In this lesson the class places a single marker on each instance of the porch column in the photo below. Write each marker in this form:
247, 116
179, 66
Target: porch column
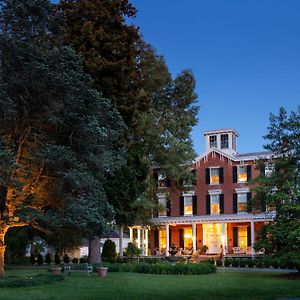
131, 234
252, 239
121, 241
167, 240
143, 241
194, 237
224, 237
146, 242
139, 238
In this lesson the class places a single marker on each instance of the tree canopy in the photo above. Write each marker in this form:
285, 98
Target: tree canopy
281, 189
59, 137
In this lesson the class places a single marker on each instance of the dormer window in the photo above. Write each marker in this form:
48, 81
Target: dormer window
224, 141
213, 141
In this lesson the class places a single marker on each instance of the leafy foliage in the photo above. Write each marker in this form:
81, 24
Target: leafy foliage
59, 137
281, 190
109, 251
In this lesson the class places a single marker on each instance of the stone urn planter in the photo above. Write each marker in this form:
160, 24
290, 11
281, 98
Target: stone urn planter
102, 271
55, 270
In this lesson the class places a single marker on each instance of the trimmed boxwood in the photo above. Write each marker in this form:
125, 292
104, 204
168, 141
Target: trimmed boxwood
219, 262
242, 263
228, 262
250, 263
235, 262
162, 268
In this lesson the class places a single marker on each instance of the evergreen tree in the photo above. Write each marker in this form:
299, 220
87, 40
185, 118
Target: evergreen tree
58, 138
280, 191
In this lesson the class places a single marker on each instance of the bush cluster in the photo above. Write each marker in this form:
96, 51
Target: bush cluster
163, 268
283, 262
15, 282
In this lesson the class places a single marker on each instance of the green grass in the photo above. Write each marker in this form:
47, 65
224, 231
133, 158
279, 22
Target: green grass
222, 285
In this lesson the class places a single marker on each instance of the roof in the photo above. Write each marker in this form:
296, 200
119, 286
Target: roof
226, 130
238, 157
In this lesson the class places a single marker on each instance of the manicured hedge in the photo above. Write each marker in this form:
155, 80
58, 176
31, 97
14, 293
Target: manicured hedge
163, 268
15, 281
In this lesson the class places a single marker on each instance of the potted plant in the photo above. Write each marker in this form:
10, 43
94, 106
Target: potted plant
102, 271
54, 269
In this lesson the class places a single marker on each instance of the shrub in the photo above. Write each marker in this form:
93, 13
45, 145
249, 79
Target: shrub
275, 263
211, 261
109, 253
48, 258
242, 263
33, 280
250, 263
163, 268
40, 259
219, 262
235, 262
227, 262
57, 259
132, 250
32, 259
75, 260
83, 259
258, 262
66, 258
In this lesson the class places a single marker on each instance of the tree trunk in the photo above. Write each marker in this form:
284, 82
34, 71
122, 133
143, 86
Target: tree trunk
94, 250
3, 231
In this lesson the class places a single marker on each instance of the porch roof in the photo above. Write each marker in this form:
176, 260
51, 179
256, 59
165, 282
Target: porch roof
233, 218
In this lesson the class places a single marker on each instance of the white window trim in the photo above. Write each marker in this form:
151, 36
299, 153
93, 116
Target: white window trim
215, 192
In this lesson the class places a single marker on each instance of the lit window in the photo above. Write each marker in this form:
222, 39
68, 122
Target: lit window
187, 238
242, 202
213, 141
242, 238
162, 201
188, 205
242, 173
214, 176
224, 141
162, 239
214, 204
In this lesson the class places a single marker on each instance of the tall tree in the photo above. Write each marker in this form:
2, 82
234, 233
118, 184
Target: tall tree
281, 190
58, 136
158, 111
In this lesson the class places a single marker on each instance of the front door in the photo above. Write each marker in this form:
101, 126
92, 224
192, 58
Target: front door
212, 237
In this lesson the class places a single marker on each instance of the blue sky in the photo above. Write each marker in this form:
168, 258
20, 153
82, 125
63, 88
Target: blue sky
245, 55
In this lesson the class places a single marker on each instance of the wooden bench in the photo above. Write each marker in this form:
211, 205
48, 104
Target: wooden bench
82, 267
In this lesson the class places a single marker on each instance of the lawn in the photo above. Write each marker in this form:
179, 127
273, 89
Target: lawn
222, 285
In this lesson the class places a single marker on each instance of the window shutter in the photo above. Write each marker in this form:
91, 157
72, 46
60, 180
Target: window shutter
168, 207
181, 205
235, 236
234, 174
167, 182
249, 202
263, 205
156, 238
207, 176
234, 204
222, 204
194, 177
195, 205
181, 240
208, 204
249, 236
249, 173
155, 175
221, 175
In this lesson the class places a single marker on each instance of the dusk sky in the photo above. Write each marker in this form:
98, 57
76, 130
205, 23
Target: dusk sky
245, 56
